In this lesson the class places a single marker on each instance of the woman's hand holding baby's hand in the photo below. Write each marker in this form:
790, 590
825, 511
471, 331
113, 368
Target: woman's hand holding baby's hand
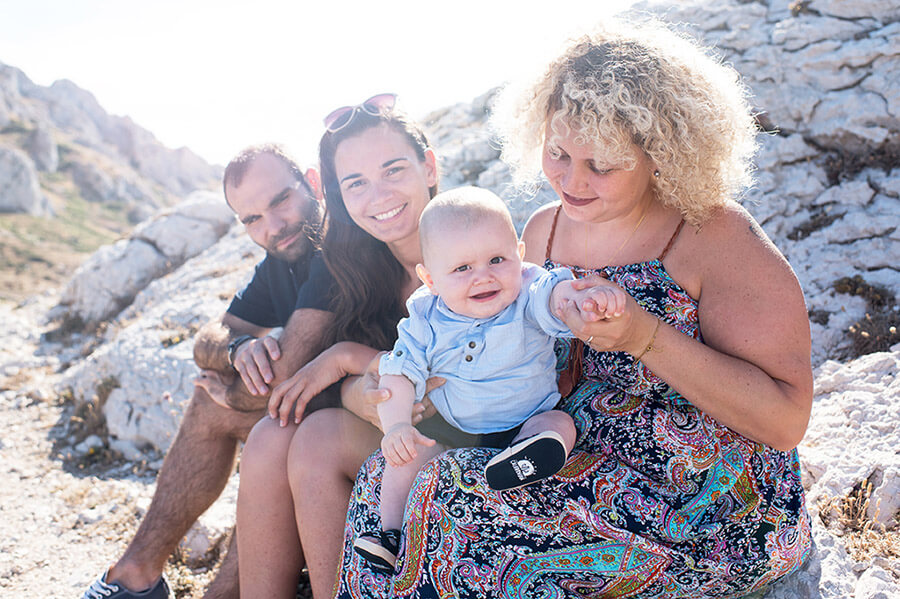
601, 302
399, 444
621, 327
594, 297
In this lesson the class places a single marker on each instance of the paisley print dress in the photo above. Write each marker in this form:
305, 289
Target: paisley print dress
657, 500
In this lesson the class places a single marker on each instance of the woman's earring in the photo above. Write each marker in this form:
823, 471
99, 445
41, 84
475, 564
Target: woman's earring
656, 173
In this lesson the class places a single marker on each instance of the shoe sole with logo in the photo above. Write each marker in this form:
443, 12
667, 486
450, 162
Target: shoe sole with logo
528, 461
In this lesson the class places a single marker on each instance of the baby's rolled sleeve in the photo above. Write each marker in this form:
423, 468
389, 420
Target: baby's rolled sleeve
398, 362
540, 291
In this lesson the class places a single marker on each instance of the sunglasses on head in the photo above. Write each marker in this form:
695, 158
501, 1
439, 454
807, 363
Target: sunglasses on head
343, 116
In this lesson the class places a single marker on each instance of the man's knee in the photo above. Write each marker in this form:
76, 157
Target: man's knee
204, 417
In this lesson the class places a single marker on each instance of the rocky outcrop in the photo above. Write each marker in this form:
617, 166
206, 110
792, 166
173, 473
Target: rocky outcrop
99, 185
109, 158
42, 148
20, 191
111, 278
65, 107
156, 332
850, 444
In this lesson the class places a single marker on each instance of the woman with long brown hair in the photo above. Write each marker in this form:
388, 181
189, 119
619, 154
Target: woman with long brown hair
378, 173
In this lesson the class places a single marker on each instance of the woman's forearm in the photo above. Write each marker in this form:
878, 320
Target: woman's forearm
354, 357
732, 390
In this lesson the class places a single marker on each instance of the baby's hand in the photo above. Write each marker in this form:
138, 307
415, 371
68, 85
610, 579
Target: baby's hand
399, 444
594, 297
602, 302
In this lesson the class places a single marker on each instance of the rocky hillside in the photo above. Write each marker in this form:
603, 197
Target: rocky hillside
824, 78
73, 177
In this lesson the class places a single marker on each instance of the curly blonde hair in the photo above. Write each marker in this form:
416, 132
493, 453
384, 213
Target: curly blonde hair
638, 84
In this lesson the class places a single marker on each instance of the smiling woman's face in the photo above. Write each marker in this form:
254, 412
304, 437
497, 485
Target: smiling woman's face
592, 192
383, 182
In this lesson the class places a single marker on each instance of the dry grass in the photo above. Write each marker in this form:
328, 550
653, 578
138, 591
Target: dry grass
864, 539
88, 418
878, 330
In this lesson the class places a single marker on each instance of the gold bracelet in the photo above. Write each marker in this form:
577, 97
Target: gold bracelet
649, 347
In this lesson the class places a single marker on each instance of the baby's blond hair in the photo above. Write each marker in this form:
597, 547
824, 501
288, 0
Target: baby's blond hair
461, 207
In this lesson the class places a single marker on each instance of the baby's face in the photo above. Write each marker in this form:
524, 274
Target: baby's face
477, 270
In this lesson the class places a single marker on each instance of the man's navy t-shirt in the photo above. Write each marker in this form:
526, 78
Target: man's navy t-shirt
278, 288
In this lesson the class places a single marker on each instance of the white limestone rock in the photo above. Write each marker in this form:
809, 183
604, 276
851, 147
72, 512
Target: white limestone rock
805, 29
883, 10
853, 434
20, 190
109, 280
76, 113
148, 350
41, 146
189, 228
94, 183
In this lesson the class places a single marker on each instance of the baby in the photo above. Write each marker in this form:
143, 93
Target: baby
485, 322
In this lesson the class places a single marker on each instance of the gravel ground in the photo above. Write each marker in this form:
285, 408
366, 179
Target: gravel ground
65, 515
63, 518
58, 521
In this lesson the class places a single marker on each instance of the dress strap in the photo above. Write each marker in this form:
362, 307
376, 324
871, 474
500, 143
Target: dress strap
671, 240
552, 231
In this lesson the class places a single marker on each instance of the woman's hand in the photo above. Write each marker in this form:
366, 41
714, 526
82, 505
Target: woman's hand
630, 331
399, 444
326, 369
365, 403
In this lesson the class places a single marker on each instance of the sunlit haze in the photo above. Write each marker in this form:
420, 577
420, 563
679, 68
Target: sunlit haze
217, 76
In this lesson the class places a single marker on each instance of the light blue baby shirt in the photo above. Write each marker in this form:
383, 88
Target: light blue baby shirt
499, 370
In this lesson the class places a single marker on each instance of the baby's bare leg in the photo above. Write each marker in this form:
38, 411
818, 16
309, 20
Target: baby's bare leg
553, 420
396, 483
539, 451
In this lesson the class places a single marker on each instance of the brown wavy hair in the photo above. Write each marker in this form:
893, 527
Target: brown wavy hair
367, 304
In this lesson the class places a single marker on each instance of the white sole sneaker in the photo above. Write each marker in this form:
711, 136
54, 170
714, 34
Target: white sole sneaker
378, 556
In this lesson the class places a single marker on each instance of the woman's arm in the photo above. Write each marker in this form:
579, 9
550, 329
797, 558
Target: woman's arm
333, 364
752, 373
537, 232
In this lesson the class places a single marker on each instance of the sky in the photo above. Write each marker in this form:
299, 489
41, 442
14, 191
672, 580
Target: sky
216, 76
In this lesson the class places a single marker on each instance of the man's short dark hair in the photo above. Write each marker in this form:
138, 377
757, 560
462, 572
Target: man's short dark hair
237, 168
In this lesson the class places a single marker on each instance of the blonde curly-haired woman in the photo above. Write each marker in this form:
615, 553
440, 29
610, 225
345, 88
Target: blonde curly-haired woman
686, 481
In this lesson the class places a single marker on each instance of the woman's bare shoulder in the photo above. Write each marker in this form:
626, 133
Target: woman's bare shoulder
730, 232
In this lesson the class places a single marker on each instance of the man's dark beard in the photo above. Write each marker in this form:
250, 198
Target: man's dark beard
310, 228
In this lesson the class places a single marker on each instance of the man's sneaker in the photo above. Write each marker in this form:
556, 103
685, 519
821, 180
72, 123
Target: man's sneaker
530, 460
114, 590
380, 549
